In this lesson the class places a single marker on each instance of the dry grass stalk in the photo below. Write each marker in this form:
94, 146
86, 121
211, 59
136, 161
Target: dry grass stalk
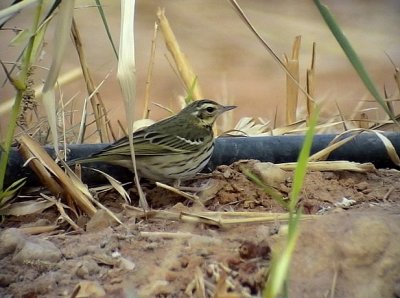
200, 287
247, 22
223, 289
363, 122
397, 77
21, 208
191, 197
38, 229
355, 111
51, 175
64, 214
385, 125
122, 128
126, 74
108, 211
248, 214
331, 166
82, 123
116, 185
341, 116
288, 128
298, 128
310, 88
84, 190
247, 126
334, 281
146, 110
292, 91
169, 235
221, 219
333, 145
390, 149
389, 101
65, 15
184, 68
99, 110
172, 215
388, 193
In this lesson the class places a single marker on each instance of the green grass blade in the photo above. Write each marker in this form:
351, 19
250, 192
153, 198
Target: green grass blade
19, 84
10, 191
272, 192
302, 161
279, 269
190, 93
103, 17
280, 264
352, 56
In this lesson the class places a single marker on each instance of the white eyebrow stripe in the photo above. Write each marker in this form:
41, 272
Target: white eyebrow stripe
196, 142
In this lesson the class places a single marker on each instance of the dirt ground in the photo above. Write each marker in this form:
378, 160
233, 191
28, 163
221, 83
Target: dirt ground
350, 247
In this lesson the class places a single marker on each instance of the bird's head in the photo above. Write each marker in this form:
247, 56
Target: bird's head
205, 110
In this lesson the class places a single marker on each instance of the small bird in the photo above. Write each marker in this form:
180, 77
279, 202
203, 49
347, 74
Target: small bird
171, 150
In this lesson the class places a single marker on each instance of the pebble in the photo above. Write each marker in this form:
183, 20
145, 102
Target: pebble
86, 268
9, 240
270, 173
362, 186
33, 250
100, 221
6, 280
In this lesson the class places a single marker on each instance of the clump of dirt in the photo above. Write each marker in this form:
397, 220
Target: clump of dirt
350, 249
354, 253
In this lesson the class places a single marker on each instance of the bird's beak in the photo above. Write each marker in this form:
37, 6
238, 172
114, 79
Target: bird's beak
227, 108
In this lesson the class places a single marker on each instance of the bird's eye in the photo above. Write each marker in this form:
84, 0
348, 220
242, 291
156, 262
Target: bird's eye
210, 109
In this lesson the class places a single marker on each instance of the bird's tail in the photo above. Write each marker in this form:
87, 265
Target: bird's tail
84, 160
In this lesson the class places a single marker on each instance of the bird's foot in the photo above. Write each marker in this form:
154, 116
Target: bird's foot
194, 189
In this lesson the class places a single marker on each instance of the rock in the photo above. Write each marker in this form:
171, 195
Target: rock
86, 268
126, 264
269, 173
34, 249
99, 221
362, 186
47, 283
361, 248
9, 240
6, 280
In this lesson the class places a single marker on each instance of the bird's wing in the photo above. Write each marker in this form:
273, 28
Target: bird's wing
151, 142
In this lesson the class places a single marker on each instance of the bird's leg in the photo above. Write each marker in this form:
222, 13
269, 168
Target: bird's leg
194, 189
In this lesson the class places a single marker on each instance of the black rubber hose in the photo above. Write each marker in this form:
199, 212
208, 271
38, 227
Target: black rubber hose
366, 147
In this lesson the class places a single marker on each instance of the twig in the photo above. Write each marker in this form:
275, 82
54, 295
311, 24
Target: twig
193, 198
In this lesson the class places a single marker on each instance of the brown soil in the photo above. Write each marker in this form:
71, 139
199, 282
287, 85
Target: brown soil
346, 251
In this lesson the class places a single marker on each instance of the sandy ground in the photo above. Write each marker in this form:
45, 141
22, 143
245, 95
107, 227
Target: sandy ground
230, 63
350, 248
346, 251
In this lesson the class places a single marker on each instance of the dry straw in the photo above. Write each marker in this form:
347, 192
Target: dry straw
185, 70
